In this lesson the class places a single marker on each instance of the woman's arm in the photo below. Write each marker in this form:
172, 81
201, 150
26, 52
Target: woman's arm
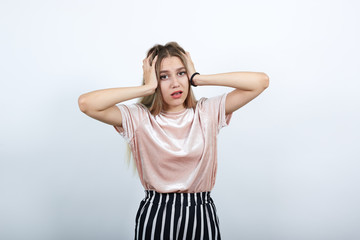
100, 100
248, 85
100, 104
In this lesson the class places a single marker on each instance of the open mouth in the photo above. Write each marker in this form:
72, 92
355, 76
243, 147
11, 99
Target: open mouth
178, 93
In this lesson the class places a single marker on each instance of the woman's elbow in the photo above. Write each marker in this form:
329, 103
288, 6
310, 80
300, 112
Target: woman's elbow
265, 80
82, 103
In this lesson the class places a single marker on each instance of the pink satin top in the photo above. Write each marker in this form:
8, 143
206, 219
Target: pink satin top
175, 151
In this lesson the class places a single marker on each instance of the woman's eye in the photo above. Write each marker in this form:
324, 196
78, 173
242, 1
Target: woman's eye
182, 73
163, 76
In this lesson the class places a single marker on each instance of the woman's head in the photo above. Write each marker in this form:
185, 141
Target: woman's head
171, 72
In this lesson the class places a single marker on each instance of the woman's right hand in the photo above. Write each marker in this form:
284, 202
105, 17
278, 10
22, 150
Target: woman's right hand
149, 72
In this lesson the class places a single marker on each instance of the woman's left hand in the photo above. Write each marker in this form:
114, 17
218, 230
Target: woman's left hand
190, 65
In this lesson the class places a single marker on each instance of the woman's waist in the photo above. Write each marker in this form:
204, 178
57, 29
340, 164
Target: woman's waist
176, 198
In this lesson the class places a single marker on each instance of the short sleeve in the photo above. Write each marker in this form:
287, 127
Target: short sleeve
132, 116
214, 108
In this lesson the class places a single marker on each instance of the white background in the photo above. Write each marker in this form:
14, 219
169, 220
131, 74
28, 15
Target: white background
288, 162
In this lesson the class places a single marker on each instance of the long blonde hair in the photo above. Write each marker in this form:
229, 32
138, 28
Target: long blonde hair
154, 102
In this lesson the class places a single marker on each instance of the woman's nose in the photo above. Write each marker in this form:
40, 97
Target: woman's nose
175, 82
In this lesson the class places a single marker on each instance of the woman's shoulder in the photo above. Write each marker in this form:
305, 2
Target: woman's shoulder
205, 101
134, 107
134, 111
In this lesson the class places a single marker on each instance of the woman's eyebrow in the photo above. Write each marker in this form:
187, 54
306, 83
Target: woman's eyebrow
165, 71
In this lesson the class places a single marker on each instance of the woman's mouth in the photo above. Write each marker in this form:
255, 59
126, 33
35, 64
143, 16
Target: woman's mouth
176, 94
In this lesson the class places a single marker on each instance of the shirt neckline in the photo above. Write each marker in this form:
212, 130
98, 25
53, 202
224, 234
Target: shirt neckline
174, 113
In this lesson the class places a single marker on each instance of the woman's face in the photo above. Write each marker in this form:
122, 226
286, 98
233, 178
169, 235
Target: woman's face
173, 83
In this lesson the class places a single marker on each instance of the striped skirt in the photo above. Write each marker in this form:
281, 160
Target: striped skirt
165, 216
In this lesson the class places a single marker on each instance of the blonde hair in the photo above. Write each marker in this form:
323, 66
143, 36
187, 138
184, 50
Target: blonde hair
154, 102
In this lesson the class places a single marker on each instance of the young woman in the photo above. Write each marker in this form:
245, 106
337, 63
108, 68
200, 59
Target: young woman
172, 137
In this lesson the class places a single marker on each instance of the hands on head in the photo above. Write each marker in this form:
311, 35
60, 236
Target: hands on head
150, 74
190, 65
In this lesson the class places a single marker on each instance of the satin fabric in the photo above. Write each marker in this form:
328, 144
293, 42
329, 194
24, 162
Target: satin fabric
175, 151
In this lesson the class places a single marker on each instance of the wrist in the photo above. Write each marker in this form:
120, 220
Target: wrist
148, 89
192, 79
196, 79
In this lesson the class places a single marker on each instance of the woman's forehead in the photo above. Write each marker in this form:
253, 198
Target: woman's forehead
171, 64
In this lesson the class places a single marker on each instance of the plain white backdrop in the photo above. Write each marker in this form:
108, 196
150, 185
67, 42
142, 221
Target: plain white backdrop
288, 162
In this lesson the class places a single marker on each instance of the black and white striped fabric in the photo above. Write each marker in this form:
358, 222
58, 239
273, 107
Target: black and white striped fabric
175, 216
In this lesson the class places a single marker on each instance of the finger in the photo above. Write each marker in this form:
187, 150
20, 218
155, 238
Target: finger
154, 61
147, 59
